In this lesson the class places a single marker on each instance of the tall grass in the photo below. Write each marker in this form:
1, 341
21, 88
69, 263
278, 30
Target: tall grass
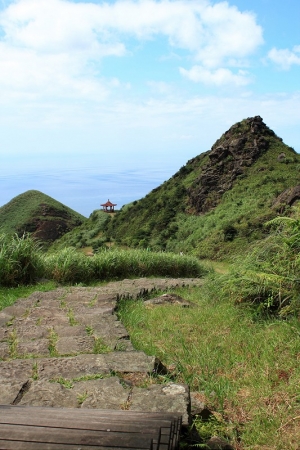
70, 266
268, 277
21, 261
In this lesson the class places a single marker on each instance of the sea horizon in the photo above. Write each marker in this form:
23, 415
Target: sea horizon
85, 189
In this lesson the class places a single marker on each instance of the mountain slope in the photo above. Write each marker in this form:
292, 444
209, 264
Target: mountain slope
217, 203
39, 214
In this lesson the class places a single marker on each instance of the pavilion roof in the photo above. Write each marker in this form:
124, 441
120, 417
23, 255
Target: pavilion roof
109, 203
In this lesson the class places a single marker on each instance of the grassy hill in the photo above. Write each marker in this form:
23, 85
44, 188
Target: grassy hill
219, 201
88, 234
39, 214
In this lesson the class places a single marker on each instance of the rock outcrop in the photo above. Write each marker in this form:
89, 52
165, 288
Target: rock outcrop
229, 159
287, 198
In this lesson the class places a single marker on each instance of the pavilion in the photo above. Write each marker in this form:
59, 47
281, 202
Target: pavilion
109, 206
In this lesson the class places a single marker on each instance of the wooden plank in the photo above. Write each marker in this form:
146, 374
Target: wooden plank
23, 417
15, 445
61, 412
90, 414
100, 424
67, 436
163, 427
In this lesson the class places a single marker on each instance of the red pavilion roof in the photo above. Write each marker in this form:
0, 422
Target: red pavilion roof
109, 203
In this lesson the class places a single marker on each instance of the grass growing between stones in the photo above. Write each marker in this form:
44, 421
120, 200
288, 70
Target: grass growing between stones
246, 370
8, 296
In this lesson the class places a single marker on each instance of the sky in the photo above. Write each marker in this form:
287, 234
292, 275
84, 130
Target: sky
109, 99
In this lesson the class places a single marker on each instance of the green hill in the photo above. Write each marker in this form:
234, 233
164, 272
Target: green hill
39, 214
218, 202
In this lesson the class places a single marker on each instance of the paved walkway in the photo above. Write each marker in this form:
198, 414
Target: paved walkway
66, 348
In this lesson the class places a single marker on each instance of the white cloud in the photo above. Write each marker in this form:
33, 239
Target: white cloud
218, 77
56, 47
285, 58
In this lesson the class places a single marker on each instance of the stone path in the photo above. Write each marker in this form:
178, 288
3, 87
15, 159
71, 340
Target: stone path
66, 348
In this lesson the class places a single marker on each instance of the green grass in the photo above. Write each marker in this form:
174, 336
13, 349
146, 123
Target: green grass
246, 370
8, 296
22, 262
89, 234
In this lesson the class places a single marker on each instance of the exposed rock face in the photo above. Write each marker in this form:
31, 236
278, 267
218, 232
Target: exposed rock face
287, 198
50, 223
229, 158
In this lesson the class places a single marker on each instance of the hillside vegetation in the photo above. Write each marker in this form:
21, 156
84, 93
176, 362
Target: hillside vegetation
217, 203
37, 213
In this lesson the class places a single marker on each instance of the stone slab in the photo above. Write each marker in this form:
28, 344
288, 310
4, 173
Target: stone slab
68, 331
38, 347
72, 367
44, 393
72, 345
10, 390
103, 394
17, 369
165, 398
30, 331
36, 317
130, 362
4, 350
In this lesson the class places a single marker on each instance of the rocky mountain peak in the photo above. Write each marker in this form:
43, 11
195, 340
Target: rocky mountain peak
231, 155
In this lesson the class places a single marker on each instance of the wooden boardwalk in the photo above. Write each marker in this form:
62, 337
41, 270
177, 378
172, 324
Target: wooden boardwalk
42, 428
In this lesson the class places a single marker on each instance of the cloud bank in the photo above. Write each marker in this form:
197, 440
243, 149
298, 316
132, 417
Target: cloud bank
57, 48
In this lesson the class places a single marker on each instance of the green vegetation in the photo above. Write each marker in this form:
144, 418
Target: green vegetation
23, 213
89, 234
166, 220
268, 277
22, 262
245, 370
8, 295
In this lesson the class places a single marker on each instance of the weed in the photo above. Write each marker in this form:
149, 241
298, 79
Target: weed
53, 338
92, 302
35, 374
100, 346
13, 344
89, 330
82, 397
68, 384
71, 317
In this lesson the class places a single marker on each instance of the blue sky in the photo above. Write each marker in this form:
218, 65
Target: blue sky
109, 99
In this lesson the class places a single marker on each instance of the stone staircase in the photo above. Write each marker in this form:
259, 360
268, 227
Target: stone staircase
67, 349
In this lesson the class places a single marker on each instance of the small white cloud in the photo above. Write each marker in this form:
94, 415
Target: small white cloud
218, 77
285, 58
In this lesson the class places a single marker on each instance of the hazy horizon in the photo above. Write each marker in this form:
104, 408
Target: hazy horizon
103, 99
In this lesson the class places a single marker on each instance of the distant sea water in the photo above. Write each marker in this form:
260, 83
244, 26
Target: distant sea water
84, 189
